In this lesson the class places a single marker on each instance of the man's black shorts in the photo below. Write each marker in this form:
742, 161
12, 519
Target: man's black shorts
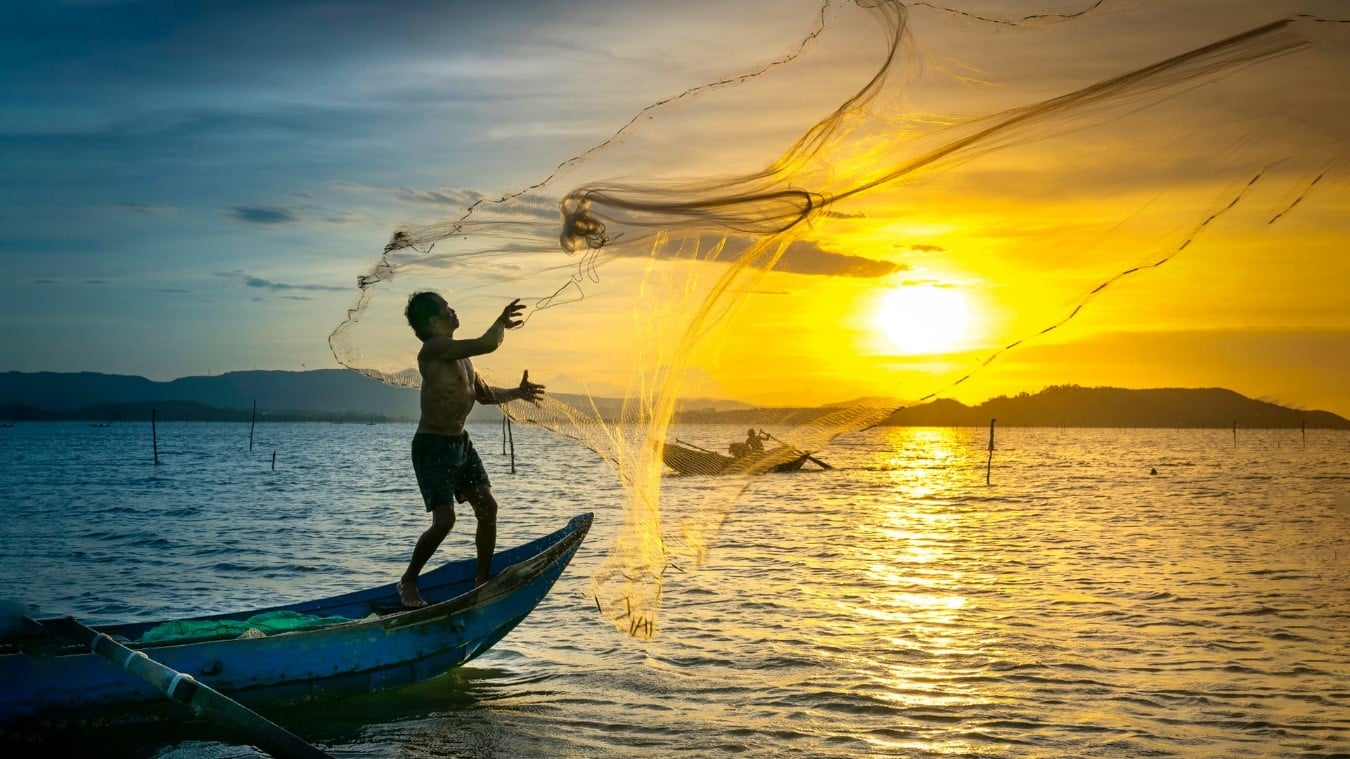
447, 467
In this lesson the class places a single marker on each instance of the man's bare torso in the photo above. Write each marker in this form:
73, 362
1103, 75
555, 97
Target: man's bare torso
448, 392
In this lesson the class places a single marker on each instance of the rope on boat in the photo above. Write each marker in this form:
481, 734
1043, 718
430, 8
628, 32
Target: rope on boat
173, 685
126, 663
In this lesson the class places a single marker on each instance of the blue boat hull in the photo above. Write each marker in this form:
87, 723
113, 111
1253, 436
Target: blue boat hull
48, 681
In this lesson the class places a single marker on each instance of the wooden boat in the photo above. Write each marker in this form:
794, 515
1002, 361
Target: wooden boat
687, 459
50, 681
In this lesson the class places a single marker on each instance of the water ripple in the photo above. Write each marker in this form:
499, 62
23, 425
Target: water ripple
894, 606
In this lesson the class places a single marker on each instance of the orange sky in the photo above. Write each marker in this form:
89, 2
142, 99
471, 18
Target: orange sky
1024, 230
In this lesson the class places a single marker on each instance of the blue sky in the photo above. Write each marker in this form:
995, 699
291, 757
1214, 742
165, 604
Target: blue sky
193, 187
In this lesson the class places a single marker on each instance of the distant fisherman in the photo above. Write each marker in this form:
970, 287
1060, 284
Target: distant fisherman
754, 444
447, 466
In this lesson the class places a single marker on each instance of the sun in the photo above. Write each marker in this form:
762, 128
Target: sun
923, 319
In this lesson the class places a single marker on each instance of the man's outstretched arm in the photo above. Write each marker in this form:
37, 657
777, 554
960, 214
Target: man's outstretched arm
449, 349
493, 396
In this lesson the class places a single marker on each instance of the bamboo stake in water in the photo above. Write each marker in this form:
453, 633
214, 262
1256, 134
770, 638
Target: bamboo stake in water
989, 465
251, 423
154, 436
512, 440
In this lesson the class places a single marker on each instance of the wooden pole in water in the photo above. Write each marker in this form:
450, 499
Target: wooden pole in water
504, 423
1234, 433
989, 465
201, 698
154, 436
253, 421
512, 440
1305, 433
274, 461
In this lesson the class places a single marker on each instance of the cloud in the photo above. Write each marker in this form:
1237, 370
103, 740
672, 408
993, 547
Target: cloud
263, 216
833, 214
444, 197
801, 257
270, 286
527, 205
447, 198
808, 257
343, 217
145, 209
535, 206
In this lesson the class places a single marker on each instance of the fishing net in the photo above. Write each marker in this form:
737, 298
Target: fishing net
982, 179
258, 625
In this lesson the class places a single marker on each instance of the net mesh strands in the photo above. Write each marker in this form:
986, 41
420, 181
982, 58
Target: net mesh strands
973, 150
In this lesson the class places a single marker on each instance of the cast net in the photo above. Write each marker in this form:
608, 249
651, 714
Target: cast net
741, 240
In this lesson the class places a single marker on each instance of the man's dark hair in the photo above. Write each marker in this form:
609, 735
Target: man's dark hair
421, 307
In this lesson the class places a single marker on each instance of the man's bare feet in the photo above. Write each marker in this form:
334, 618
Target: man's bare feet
407, 593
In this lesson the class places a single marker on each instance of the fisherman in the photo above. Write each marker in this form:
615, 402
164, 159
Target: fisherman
753, 445
447, 466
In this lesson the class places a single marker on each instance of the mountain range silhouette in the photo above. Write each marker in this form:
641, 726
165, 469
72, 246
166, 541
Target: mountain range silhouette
341, 395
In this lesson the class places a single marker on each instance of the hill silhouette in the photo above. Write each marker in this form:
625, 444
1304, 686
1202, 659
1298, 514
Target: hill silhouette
1074, 406
310, 394
1067, 406
341, 395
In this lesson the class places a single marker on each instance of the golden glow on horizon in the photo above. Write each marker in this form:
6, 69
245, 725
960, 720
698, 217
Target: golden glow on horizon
923, 319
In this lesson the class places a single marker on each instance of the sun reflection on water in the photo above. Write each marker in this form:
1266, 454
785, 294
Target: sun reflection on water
923, 461
911, 585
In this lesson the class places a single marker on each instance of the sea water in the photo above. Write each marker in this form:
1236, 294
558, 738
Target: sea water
921, 598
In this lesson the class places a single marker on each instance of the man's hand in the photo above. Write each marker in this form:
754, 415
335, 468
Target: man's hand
528, 390
510, 317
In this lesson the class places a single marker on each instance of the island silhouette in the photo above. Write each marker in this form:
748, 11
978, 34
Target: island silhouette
338, 395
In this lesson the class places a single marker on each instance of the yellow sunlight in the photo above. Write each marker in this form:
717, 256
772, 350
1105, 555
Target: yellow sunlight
923, 319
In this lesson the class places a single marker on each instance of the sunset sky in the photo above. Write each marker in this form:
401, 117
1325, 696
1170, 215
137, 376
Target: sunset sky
193, 188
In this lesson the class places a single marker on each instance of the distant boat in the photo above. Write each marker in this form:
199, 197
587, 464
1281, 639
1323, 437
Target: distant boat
98, 424
352, 643
688, 459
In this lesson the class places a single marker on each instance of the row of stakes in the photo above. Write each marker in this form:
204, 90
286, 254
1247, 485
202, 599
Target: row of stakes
507, 437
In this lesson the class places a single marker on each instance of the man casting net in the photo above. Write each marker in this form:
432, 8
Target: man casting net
977, 181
